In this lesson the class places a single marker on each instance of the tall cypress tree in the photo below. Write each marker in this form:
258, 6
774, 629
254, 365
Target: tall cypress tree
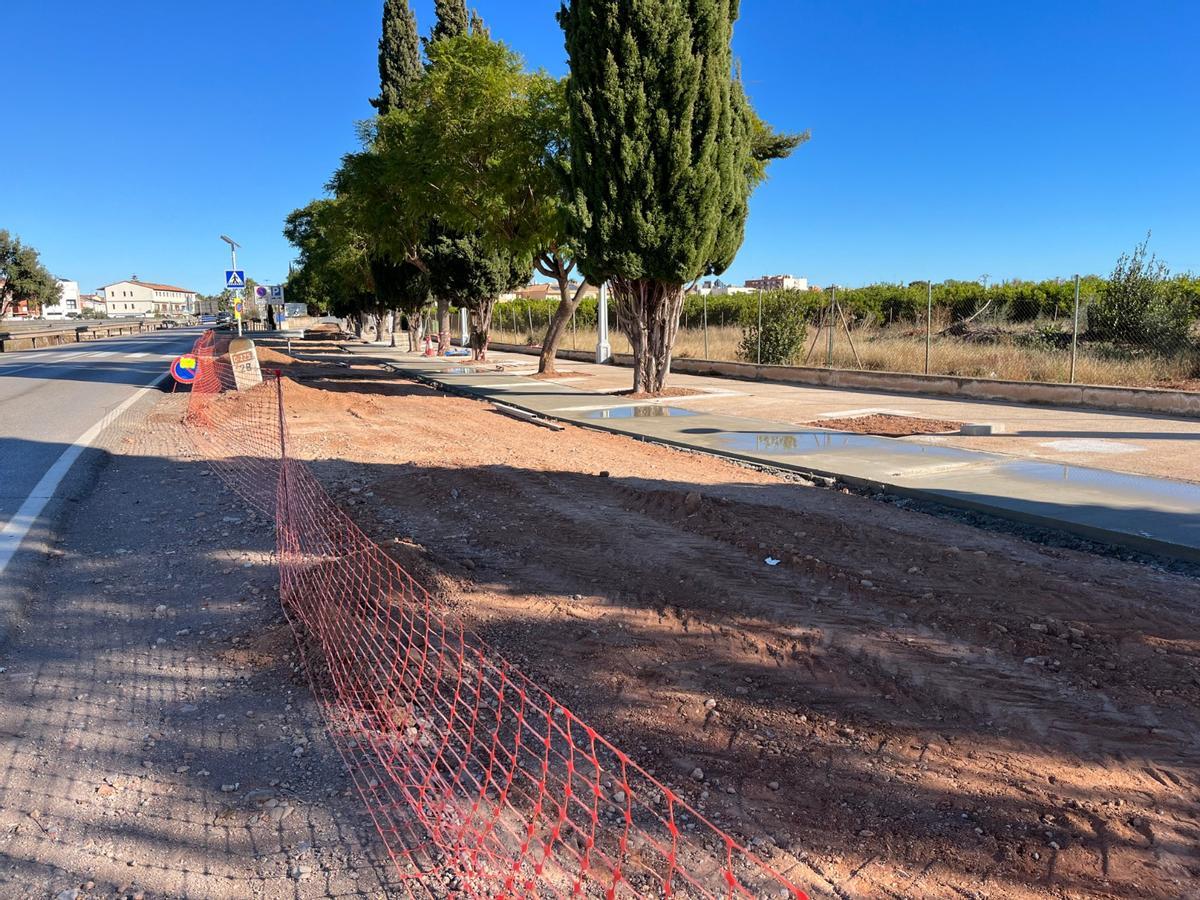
665, 152
399, 284
399, 56
452, 19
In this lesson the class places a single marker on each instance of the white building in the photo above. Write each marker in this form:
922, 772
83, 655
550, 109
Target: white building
145, 299
68, 305
778, 283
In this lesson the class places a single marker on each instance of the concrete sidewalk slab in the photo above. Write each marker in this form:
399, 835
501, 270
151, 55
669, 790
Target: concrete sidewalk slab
1152, 515
1161, 446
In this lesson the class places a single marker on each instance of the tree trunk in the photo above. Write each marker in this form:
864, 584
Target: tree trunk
648, 314
481, 326
395, 322
567, 306
443, 317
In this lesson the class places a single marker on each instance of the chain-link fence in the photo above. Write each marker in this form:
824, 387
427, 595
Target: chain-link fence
1083, 331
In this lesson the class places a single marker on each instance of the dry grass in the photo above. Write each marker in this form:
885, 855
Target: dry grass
882, 350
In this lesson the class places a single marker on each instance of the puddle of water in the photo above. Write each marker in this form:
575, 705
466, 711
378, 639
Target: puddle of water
638, 412
1113, 483
818, 441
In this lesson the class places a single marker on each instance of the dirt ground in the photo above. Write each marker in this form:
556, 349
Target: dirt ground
903, 706
889, 426
157, 740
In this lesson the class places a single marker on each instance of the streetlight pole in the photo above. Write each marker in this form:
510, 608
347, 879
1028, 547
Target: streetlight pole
233, 249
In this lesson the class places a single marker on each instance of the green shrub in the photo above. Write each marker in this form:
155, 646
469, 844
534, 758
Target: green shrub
784, 327
1137, 305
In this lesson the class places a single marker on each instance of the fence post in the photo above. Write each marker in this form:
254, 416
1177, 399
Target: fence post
529, 314
928, 325
279, 403
760, 326
1075, 332
832, 313
705, 298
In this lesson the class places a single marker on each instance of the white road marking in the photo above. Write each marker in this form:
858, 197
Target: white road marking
18, 526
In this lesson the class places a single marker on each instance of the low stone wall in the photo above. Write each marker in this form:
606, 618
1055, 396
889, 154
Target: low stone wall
1184, 404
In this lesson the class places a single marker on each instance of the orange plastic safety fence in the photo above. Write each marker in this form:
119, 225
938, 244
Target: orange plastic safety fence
480, 783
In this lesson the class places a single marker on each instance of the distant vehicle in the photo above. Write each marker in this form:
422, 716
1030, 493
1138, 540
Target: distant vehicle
168, 323
224, 318
208, 320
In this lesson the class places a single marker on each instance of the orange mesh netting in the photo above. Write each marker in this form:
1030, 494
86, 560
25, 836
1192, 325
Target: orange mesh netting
479, 782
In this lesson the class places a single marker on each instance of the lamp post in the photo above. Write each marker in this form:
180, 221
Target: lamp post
233, 249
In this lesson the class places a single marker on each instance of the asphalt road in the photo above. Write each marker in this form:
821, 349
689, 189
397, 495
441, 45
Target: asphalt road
52, 400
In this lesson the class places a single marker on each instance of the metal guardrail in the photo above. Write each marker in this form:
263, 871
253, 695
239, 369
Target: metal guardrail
75, 334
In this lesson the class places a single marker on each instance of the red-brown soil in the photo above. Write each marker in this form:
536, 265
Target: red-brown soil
889, 426
905, 706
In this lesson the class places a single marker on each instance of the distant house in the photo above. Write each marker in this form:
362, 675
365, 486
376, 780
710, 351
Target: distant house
68, 305
545, 292
146, 299
778, 283
12, 310
92, 303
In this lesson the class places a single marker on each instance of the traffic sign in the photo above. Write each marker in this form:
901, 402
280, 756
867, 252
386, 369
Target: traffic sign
184, 369
277, 292
235, 278
239, 307
260, 292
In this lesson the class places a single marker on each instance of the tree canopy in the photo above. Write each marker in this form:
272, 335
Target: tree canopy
452, 19
400, 64
25, 279
665, 151
637, 169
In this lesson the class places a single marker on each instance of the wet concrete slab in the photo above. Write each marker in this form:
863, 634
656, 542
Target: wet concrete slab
1154, 515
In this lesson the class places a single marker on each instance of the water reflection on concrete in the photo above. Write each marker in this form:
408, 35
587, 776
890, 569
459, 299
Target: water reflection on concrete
638, 412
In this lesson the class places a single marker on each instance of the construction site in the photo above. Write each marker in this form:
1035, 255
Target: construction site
809, 687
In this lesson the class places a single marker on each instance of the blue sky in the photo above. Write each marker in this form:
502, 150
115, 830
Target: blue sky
950, 139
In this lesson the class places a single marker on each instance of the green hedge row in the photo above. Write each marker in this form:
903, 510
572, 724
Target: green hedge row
885, 304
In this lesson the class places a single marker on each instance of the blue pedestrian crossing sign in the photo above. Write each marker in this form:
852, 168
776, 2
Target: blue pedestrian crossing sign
235, 279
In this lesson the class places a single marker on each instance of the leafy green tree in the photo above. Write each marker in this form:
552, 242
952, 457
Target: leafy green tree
470, 274
481, 147
25, 279
333, 256
665, 151
1137, 306
399, 56
405, 288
